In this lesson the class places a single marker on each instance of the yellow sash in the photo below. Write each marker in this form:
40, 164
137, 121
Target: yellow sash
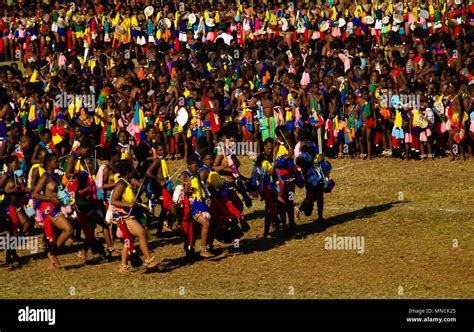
398, 120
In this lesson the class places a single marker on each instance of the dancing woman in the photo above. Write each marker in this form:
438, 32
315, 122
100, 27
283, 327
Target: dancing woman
264, 181
46, 191
314, 169
12, 204
123, 202
161, 186
198, 203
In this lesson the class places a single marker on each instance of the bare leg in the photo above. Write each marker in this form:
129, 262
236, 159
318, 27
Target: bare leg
66, 230
290, 203
369, 142
137, 230
185, 140
24, 222
205, 227
451, 144
176, 145
362, 140
320, 201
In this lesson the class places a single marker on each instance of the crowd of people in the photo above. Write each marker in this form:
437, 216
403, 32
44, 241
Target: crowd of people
97, 96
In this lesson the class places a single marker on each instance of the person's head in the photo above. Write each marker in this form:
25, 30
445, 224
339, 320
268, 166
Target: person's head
50, 161
268, 146
160, 150
470, 89
211, 93
314, 87
208, 159
202, 146
41, 155
123, 137
364, 92
76, 130
150, 132
111, 155
12, 163
45, 136
25, 142
193, 163
85, 148
281, 132
125, 169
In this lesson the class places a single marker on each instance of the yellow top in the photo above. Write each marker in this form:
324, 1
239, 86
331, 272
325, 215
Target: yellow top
127, 195
282, 151
164, 169
41, 170
198, 192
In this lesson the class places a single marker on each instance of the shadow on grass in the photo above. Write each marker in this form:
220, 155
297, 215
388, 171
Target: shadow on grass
318, 227
247, 246
164, 241
93, 261
168, 265
256, 214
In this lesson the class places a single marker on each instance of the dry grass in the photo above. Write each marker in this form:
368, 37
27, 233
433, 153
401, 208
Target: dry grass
408, 244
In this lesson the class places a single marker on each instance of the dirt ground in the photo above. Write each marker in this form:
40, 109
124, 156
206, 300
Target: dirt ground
416, 219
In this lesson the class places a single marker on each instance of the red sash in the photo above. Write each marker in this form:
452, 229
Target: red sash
215, 122
48, 223
269, 202
187, 222
14, 220
167, 200
127, 237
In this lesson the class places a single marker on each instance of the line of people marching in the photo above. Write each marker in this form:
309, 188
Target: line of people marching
62, 194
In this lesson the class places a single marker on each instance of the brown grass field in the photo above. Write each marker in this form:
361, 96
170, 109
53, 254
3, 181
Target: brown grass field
410, 247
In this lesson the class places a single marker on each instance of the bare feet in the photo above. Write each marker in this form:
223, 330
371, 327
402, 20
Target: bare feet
166, 227
82, 255
206, 254
124, 269
151, 262
53, 262
113, 252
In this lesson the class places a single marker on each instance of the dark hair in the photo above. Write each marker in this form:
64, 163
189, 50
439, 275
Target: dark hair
86, 144
260, 158
148, 128
193, 159
10, 159
269, 140
48, 158
124, 131
45, 131
281, 130
107, 154
124, 167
